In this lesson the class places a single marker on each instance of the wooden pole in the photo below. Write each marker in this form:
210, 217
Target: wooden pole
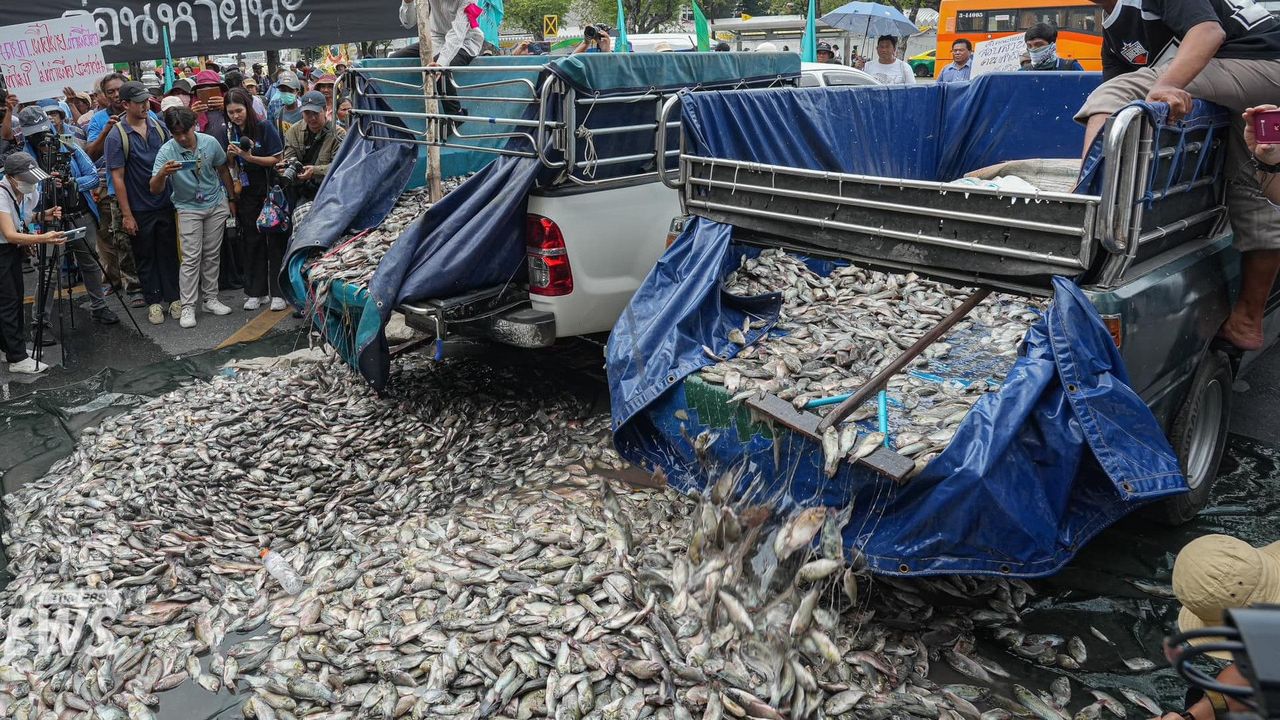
881, 378
425, 53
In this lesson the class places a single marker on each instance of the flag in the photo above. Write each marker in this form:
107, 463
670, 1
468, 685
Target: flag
491, 19
745, 17
809, 44
700, 26
623, 45
168, 61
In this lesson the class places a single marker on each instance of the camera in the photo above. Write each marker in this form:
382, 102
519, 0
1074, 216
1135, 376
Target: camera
590, 32
290, 172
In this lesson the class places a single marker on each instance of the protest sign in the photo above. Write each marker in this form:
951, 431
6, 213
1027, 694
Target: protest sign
133, 29
39, 59
998, 55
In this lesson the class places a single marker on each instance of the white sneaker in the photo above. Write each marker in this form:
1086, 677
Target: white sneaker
28, 367
188, 318
252, 303
278, 304
216, 307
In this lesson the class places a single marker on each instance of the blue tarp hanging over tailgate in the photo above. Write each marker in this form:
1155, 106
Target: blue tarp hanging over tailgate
474, 237
1033, 472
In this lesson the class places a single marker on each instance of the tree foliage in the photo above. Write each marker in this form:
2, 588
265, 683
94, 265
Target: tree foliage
643, 16
527, 15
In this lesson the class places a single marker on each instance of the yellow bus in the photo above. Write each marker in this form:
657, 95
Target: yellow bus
1079, 25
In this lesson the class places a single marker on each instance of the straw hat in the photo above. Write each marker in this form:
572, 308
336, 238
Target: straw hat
1217, 572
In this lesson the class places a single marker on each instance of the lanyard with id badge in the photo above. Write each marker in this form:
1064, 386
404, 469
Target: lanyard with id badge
194, 161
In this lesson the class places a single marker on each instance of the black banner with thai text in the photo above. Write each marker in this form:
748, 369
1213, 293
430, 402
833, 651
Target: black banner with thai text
131, 30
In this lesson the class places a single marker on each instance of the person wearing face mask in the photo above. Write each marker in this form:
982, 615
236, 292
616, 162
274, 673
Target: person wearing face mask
1042, 47
182, 89
20, 226
285, 109
78, 209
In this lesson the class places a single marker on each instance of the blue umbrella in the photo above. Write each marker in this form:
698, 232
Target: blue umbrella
871, 19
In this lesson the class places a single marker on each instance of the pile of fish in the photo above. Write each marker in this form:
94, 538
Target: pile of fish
464, 554
836, 331
354, 258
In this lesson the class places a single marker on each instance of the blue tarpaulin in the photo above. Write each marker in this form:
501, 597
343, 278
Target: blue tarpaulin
1035, 470
474, 237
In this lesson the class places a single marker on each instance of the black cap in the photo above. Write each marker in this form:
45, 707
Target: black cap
722, 46
314, 101
825, 46
24, 167
134, 91
183, 85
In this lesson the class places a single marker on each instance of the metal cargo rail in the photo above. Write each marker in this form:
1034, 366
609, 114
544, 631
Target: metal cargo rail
1015, 240
1151, 199
556, 124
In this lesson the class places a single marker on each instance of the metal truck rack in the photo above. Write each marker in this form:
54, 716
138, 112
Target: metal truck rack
1150, 200
1001, 238
555, 127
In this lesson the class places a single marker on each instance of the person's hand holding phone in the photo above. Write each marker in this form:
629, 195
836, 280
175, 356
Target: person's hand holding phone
214, 102
1262, 133
52, 237
170, 168
198, 106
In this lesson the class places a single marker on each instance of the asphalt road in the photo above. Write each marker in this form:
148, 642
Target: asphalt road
86, 347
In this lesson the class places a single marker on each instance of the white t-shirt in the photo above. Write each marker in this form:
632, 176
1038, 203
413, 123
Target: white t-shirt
28, 203
897, 72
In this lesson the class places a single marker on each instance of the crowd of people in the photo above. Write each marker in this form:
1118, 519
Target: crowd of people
168, 198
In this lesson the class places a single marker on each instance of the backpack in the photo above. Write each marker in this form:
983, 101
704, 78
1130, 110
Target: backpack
152, 123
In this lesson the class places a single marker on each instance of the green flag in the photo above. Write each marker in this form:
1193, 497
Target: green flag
700, 26
809, 43
622, 45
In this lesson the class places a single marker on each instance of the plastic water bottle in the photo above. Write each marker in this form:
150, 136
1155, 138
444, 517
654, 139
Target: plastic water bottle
282, 571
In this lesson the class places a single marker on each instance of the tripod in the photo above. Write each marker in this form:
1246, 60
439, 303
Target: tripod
64, 194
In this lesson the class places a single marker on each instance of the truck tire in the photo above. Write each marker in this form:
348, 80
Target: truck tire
1198, 436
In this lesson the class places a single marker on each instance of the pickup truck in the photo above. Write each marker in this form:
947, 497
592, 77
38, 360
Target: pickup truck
1131, 395
595, 219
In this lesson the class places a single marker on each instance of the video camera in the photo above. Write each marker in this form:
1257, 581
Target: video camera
1252, 636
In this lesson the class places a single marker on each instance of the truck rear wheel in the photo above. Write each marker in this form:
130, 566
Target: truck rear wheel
1198, 436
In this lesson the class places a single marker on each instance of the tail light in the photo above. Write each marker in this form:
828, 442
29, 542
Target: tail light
1115, 326
547, 257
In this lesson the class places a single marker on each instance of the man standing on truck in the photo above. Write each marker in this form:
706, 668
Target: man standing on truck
1228, 53
1128, 43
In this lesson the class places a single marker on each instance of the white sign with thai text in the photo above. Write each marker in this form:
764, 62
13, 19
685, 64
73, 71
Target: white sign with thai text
39, 59
999, 55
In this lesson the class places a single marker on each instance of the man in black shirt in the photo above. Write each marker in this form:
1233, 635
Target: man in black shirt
1228, 52
1130, 44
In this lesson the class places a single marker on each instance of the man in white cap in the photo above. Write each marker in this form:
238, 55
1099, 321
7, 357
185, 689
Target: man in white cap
1212, 574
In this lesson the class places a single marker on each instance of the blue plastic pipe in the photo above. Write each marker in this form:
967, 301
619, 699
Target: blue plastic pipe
884, 416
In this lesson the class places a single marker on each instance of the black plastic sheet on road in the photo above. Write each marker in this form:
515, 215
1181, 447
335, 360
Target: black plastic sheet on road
1117, 584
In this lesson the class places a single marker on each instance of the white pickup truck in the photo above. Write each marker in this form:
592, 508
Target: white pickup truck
597, 227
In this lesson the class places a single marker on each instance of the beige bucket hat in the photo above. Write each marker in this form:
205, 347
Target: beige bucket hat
1217, 572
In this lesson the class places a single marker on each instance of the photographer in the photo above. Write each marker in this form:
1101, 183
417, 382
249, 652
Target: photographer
309, 147
595, 38
255, 148
19, 198
74, 178
194, 167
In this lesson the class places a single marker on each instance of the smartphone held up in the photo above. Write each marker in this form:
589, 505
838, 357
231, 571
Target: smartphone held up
1266, 127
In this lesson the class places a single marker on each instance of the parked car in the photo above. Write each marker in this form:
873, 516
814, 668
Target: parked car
827, 75
923, 64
